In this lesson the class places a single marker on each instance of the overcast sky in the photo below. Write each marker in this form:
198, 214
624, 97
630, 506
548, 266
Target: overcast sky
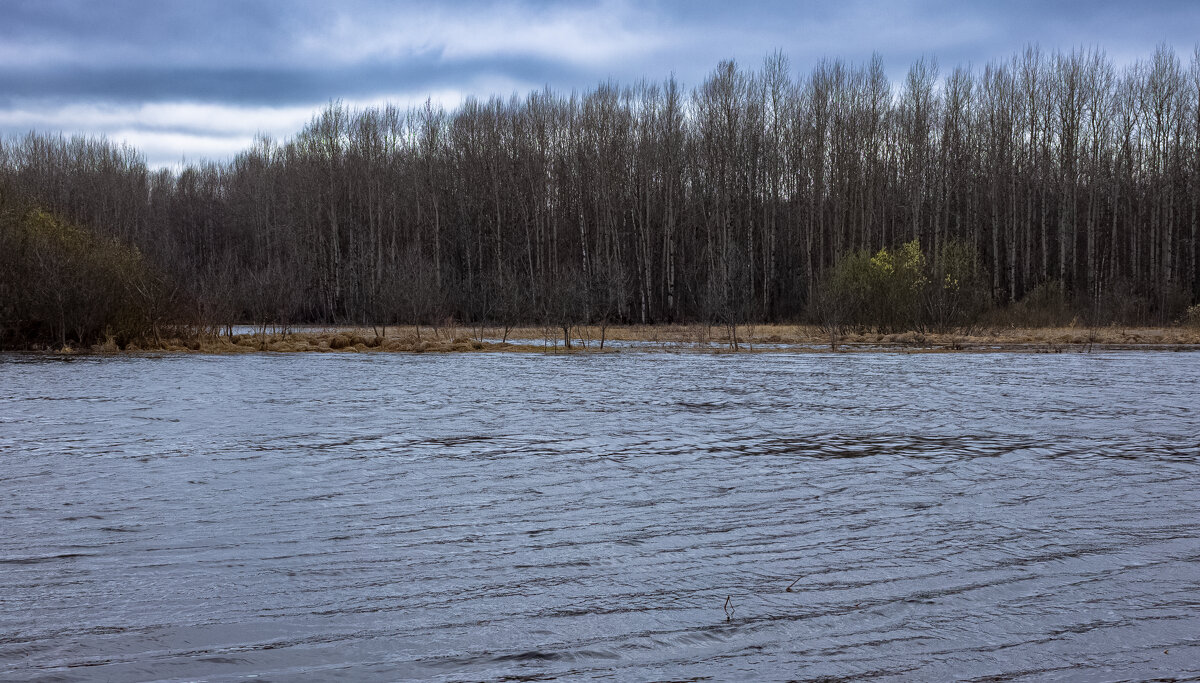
198, 79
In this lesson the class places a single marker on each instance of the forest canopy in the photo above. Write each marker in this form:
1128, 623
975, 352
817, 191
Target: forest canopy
1043, 182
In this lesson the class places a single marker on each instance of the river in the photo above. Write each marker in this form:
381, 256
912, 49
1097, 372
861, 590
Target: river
635, 516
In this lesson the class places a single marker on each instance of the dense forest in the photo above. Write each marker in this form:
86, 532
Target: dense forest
1052, 178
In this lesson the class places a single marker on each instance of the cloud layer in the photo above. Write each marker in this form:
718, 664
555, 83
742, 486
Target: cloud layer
200, 79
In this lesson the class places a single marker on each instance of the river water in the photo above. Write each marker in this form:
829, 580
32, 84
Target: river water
635, 516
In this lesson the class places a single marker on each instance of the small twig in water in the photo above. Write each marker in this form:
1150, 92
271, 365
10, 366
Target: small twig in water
789, 588
729, 610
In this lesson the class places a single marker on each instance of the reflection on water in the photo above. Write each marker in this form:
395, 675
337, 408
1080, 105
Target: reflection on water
476, 517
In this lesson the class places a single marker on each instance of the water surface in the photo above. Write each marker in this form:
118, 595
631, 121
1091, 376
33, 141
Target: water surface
633, 516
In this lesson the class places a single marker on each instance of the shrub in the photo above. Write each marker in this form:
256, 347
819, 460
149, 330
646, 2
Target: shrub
1044, 306
62, 283
1192, 317
882, 291
957, 292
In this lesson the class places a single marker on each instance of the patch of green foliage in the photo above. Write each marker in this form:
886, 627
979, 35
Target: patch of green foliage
62, 285
895, 290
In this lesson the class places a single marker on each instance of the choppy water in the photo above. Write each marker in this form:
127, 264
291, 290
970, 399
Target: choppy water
630, 516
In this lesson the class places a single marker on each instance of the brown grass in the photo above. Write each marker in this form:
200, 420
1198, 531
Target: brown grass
692, 337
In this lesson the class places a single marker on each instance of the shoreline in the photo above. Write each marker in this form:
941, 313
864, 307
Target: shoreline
659, 338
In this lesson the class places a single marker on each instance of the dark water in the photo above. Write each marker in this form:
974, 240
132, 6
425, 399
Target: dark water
634, 517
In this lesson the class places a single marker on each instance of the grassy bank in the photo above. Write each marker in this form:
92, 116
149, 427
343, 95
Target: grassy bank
692, 338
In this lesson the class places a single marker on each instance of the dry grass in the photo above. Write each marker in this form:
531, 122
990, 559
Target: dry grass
808, 335
757, 338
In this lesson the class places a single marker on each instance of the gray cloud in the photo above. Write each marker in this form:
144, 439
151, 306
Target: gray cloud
59, 57
268, 85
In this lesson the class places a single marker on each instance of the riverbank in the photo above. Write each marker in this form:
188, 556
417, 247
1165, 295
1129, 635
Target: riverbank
679, 338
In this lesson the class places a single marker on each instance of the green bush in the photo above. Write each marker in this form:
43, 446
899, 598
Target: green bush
895, 290
957, 293
880, 291
63, 285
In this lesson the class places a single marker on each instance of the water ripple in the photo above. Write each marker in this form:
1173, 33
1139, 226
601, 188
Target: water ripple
638, 516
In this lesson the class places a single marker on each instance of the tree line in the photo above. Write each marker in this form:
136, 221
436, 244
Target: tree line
736, 200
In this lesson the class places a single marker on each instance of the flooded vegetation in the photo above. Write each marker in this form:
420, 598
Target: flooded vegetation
650, 517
